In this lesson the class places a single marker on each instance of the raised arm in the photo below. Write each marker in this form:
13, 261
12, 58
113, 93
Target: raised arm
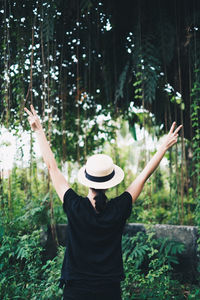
137, 185
59, 182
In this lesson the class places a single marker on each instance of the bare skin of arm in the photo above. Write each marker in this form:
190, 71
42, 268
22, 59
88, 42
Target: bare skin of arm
59, 182
137, 185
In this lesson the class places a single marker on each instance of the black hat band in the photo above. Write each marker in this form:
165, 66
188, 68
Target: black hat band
101, 178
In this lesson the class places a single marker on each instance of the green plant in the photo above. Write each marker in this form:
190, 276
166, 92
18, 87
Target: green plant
195, 116
148, 263
24, 273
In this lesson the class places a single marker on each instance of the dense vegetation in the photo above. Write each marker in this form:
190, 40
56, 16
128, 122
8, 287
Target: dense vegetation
96, 71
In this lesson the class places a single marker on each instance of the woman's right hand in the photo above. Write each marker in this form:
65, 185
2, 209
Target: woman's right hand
172, 136
33, 119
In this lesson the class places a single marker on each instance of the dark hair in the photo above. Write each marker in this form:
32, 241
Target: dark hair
100, 200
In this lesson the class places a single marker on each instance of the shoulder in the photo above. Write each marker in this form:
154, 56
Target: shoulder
70, 199
70, 193
125, 196
123, 204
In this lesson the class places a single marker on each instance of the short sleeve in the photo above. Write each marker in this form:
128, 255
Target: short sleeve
123, 203
69, 200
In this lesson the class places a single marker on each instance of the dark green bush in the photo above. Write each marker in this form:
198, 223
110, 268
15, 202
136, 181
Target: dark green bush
24, 273
148, 265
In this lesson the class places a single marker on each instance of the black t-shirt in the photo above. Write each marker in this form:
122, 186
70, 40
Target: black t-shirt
93, 250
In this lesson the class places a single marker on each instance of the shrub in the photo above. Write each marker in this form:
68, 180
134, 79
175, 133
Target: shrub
23, 272
148, 265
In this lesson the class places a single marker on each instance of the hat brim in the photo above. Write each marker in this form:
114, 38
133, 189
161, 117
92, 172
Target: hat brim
115, 180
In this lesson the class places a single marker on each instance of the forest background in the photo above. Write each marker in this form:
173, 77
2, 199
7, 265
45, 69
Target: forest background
104, 76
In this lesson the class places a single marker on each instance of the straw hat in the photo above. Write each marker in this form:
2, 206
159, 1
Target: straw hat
100, 172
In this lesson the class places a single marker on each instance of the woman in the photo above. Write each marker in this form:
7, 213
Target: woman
92, 266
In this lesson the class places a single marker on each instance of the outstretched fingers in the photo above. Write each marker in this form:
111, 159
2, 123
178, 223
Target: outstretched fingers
177, 129
172, 127
28, 111
33, 119
33, 110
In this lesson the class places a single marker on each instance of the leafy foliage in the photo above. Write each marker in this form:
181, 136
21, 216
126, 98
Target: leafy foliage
24, 271
148, 262
196, 148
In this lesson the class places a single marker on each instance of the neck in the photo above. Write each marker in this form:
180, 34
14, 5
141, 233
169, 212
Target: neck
91, 195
